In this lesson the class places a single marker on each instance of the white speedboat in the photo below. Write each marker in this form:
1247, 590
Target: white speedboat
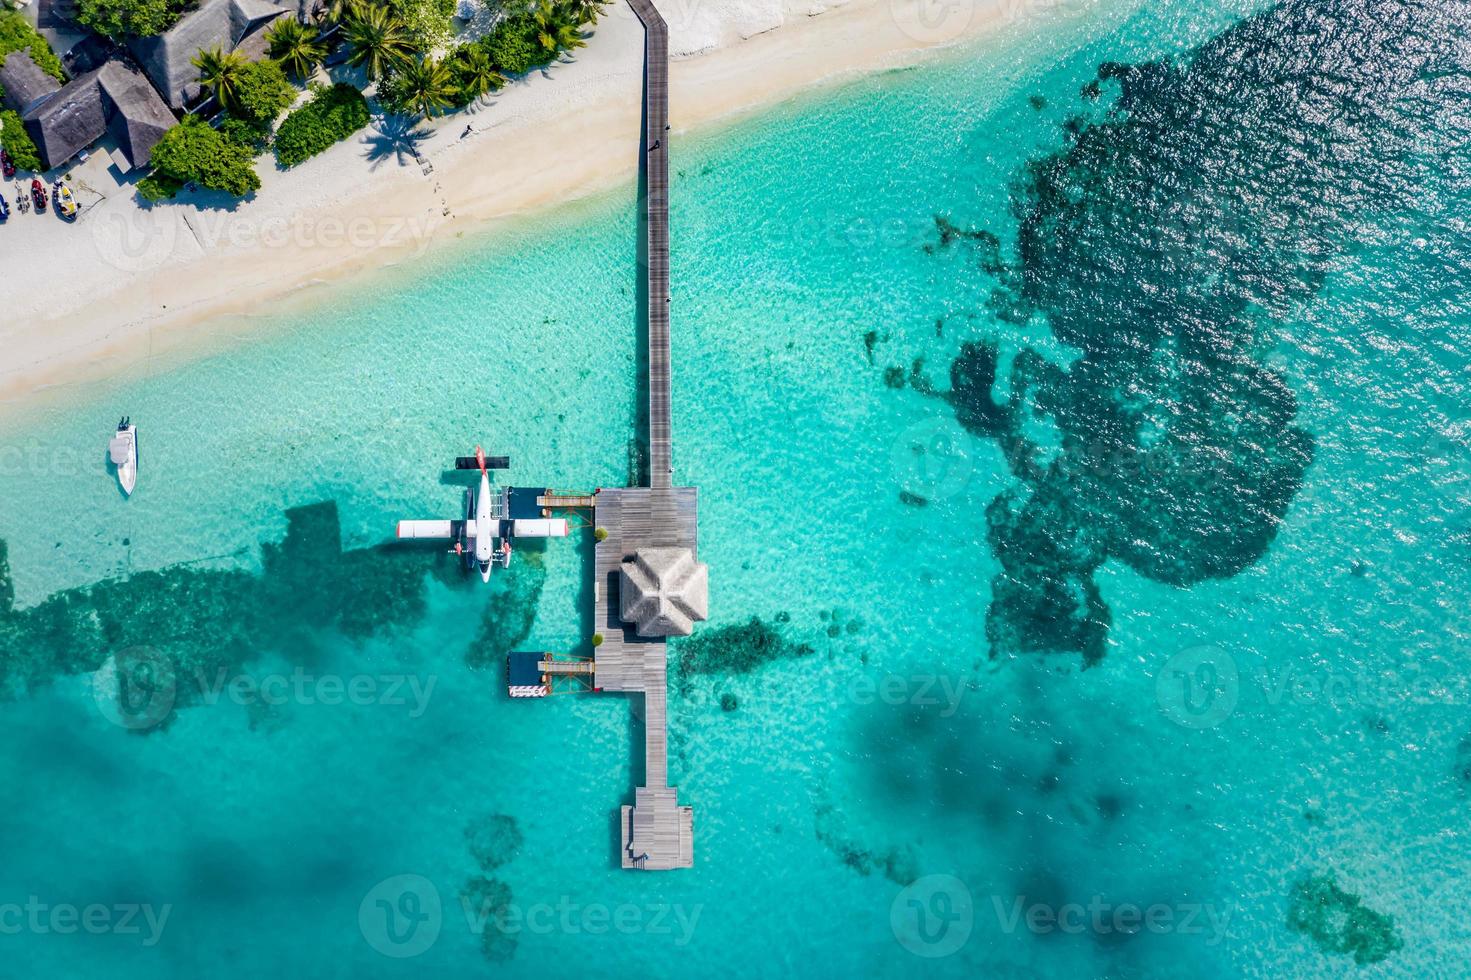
123, 449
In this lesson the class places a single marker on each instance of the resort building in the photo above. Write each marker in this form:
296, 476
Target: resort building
64, 120
230, 25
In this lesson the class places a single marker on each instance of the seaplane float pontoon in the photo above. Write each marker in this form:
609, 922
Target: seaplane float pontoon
493, 519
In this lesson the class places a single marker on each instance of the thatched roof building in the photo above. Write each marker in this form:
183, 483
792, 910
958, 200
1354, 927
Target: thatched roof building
230, 25
64, 120
25, 84
663, 591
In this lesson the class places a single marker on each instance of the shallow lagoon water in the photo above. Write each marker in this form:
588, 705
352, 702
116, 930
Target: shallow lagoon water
888, 740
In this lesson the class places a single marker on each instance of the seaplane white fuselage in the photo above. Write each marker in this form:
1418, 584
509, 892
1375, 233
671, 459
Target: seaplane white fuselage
485, 529
483, 538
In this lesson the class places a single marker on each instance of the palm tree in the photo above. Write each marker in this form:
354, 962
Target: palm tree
296, 46
475, 73
586, 11
340, 11
556, 27
220, 73
425, 86
377, 41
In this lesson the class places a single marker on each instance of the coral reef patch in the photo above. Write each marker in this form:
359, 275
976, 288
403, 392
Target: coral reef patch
1338, 922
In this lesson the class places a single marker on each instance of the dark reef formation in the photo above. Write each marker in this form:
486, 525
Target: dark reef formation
190, 623
493, 842
487, 903
898, 863
1166, 241
740, 648
1338, 922
515, 594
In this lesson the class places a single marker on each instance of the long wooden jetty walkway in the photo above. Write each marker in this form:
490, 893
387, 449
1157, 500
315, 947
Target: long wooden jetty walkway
648, 582
657, 521
656, 216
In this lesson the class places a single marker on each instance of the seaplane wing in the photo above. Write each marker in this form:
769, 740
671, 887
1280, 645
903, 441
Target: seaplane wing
434, 529
484, 537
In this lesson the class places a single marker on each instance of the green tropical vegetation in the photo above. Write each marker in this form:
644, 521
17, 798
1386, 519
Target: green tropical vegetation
194, 152
16, 34
376, 41
510, 45
429, 24
124, 19
297, 46
220, 72
333, 114
406, 47
421, 88
261, 93
474, 74
558, 27
18, 142
338, 11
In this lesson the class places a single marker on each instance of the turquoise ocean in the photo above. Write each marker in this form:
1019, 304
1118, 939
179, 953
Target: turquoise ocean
1081, 427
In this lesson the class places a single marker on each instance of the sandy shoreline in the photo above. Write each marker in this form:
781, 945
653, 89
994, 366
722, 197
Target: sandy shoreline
139, 282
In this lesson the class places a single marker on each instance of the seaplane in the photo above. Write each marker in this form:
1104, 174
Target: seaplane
493, 519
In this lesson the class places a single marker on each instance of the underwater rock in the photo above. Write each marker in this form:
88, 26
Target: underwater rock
493, 841
729, 702
972, 376
515, 595
486, 902
912, 499
1166, 242
1463, 761
199, 622
7, 585
898, 864
740, 648
1339, 922
1044, 600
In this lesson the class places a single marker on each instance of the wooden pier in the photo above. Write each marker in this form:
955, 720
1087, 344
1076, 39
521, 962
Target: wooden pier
656, 218
656, 832
648, 583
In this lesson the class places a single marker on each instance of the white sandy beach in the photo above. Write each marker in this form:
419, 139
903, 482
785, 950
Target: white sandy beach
85, 300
